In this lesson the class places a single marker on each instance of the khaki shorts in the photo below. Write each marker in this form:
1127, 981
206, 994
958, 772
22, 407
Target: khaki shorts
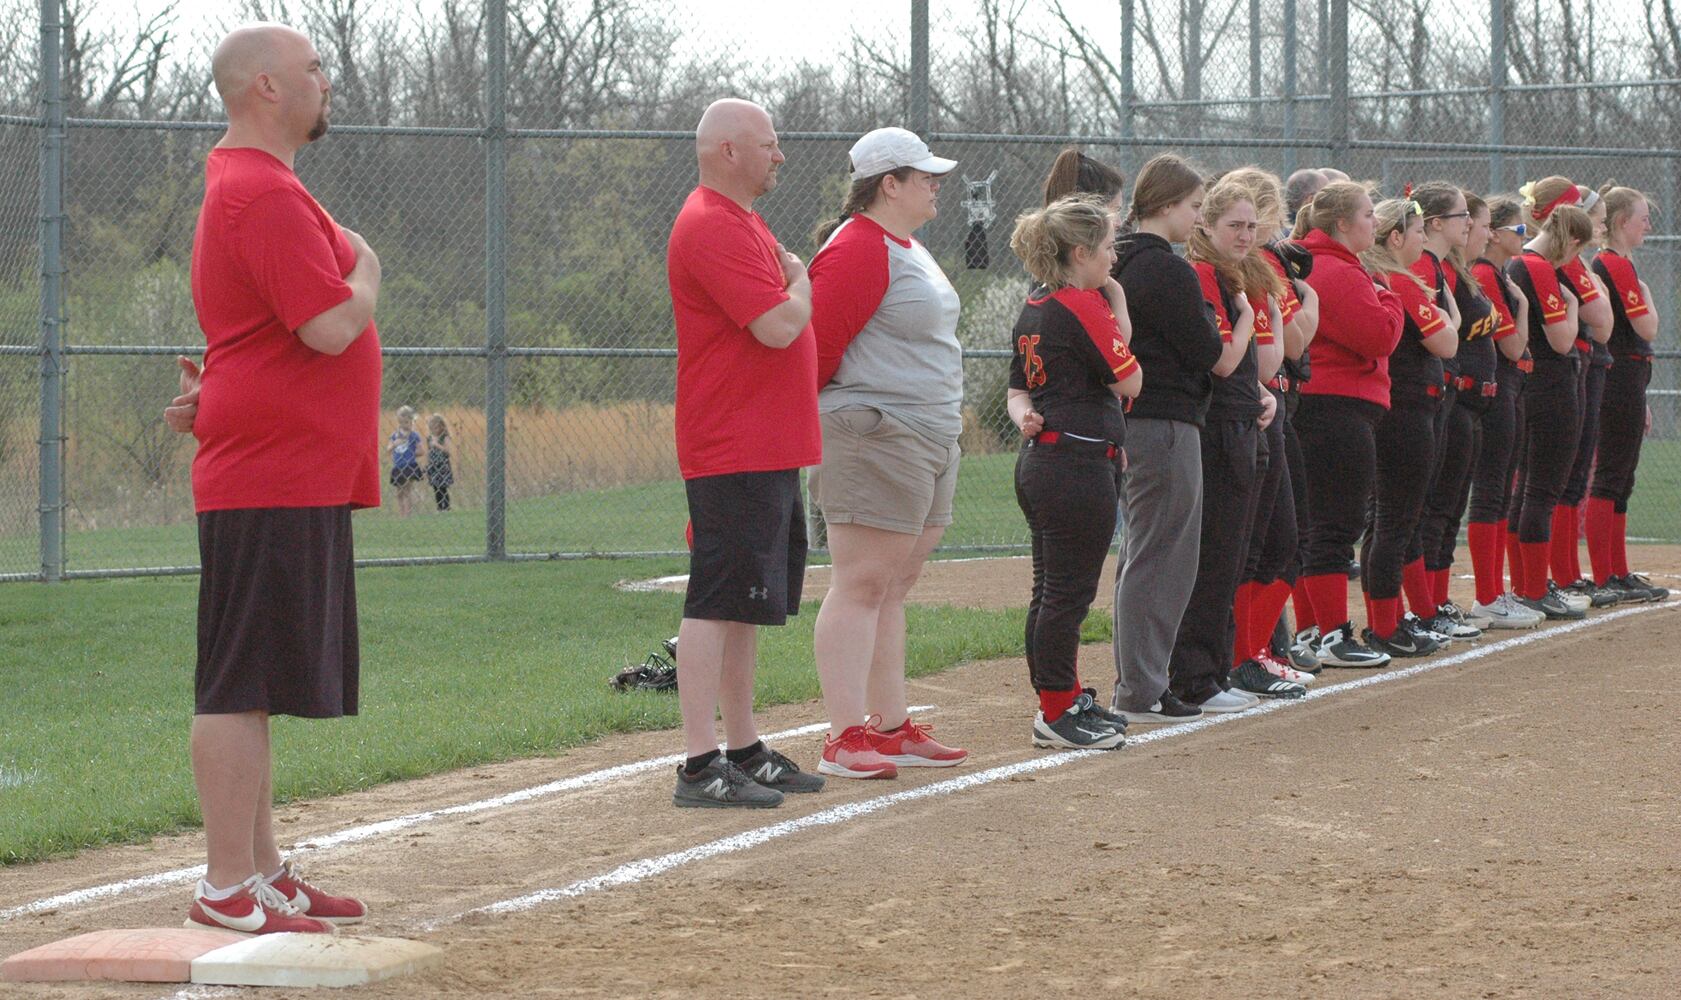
879, 473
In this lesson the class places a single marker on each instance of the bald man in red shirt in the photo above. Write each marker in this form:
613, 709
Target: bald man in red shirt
286, 415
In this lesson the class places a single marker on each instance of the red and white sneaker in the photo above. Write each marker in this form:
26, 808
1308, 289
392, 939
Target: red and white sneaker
1283, 671
911, 746
256, 909
309, 900
854, 755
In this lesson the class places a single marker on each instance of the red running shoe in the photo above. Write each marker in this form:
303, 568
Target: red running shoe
256, 909
911, 746
854, 756
309, 900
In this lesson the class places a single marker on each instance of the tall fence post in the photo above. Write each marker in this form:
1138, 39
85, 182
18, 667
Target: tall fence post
1497, 93
52, 295
1290, 55
1339, 84
1129, 86
495, 280
920, 116
1255, 65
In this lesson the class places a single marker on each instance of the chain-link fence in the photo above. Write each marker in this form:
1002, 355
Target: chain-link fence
520, 191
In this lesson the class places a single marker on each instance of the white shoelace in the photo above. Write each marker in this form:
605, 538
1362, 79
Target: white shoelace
270, 898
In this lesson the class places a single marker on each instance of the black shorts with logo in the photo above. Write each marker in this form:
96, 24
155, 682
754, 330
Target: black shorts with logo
748, 563
277, 613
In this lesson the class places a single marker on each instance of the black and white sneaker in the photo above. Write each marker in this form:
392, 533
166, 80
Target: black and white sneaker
1575, 602
1102, 712
1405, 642
1552, 607
1462, 617
1417, 626
1444, 625
1254, 678
1640, 589
1079, 728
1598, 597
1337, 648
1303, 655
1168, 709
722, 785
771, 769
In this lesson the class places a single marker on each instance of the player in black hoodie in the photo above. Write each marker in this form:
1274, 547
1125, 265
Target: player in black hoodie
1177, 341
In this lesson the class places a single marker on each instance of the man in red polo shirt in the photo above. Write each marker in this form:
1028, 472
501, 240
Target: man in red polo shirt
286, 415
746, 424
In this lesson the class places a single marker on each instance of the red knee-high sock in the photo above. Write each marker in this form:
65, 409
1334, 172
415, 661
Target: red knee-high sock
1439, 585
1534, 570
1328, 596
1054, 703
1386, 616
1243, 645
1264, 609
1619, 543
1564, 539
1514, 559
1302, 602
1485, 555
1600, 527
1415, 581
1577, 523
1371, 613
1498, 547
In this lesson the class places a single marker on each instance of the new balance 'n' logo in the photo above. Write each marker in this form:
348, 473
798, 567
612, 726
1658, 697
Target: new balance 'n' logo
767, 773
758, 593
717, 787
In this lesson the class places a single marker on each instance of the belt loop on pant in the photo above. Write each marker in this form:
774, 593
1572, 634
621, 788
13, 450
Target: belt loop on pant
1490, 390
1280, 382
1526, 365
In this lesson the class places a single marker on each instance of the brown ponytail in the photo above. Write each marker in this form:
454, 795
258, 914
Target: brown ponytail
859, 197
1076, 173
1165, 181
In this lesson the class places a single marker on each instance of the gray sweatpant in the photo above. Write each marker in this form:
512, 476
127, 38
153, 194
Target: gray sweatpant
1163, 509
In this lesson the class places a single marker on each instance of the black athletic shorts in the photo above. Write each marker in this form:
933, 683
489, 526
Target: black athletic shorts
748, 563
276, 613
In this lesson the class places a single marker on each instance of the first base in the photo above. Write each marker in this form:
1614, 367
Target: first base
314, 960
142, 955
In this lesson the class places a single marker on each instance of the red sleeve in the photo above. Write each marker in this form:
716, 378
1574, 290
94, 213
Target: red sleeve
1545, 282
849, 278
1353, 311
1619, 272
1211, 294
1092, 310
1416, 302
291, 256
1290, 304
731, 266
1450, 278
1424, 268
1581, 282
1263, 319
1489, 278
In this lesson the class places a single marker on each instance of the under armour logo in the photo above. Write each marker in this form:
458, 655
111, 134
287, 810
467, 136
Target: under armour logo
758, 593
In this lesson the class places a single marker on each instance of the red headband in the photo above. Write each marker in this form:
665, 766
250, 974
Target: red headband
1570, 196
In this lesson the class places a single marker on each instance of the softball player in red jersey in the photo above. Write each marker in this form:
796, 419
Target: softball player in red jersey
1622, 418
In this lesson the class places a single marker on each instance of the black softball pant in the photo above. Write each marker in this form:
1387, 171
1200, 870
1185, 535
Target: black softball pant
1202, 651
1491, 477
1405, 448
1444, 506
1593, 392
1338, 436
1068, 491
1552, 427
1272, 544
1622, 426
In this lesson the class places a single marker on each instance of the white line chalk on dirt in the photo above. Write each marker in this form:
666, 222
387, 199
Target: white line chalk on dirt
370, 831
643, 869
662, 582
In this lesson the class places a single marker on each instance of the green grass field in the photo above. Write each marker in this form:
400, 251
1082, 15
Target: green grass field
461, 664
650, 517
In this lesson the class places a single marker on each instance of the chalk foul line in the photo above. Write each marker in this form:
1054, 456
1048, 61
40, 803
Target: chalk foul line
643, 869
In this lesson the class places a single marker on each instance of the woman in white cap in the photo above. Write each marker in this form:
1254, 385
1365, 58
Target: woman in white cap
890, 380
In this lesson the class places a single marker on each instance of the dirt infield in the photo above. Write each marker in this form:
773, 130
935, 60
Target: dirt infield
1503, 825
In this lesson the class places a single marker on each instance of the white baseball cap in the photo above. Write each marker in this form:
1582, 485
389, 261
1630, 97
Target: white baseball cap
891, 148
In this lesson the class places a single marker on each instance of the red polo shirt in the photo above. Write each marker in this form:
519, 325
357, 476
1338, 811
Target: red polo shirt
741, 406
279, 424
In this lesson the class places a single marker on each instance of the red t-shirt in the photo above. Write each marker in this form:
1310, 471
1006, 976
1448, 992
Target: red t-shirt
741, 406
1490, 277
279, 424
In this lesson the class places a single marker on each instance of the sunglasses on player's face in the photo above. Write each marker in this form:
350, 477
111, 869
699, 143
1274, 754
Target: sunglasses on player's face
1520, 229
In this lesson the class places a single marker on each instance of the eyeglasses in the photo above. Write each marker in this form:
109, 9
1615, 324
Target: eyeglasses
1449, 215
1520, 229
